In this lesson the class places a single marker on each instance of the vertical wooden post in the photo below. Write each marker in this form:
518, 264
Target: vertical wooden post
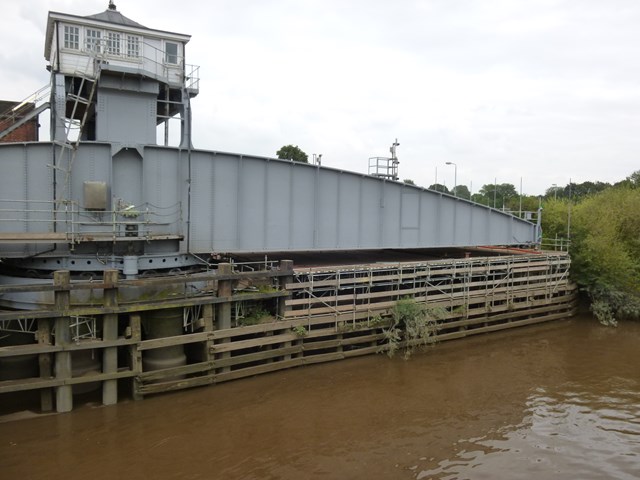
109, 333
286, 266
135, 355
223, 310
208, 318
44, 362
64, 394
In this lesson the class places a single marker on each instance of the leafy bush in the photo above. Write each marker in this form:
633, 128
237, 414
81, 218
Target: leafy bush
412, 323
606, 252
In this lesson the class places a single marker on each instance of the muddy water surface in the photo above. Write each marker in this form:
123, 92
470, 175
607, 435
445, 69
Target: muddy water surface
555, 401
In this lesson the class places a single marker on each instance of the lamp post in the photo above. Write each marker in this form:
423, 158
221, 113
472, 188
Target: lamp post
455, 178
555, 191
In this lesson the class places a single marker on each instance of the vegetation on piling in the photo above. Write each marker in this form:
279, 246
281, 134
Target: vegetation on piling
412, 325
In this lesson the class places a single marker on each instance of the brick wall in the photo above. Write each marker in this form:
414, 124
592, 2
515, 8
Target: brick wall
26, 133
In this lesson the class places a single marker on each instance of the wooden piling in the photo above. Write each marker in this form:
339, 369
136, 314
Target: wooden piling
110, 332
285, 266
135, 354
323, 314
64, 394
44, 363
223, 310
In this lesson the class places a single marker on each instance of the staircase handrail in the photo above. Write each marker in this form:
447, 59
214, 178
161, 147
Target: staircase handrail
32, 100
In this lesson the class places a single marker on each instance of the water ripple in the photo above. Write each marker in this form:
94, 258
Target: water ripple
569, 433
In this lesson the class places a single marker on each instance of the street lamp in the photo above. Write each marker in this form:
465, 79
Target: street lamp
455, 178
555, 191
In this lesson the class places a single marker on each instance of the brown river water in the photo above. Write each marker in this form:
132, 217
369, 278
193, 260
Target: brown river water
557, 401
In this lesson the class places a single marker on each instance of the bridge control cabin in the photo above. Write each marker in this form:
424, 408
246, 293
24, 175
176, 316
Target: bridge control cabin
140, 72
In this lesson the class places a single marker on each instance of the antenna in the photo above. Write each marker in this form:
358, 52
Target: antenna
393, 151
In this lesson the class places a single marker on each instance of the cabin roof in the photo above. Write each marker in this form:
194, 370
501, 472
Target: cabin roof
111, 15
106, 19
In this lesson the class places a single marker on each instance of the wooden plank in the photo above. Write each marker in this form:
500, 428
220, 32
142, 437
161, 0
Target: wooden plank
338, 342
31, 349
257, 370
136, 307
35, 237
362, 351
23, 384
99, 377
254, 357
175, 371
172, 341
502, 326
255, 342
323, 357
173, 385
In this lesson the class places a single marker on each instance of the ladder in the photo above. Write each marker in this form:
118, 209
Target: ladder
75, 98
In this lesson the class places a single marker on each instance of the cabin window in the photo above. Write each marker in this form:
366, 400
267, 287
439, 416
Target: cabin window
113, 43
92, 40
133, 46
71, 37
171, 53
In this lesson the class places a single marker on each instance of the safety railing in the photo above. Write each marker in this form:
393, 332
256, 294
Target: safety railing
558, 244
25, 106
76, 224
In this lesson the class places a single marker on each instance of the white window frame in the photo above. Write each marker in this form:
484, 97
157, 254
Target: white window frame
113, 43
169, 57
93, 40
72, 37
133, 44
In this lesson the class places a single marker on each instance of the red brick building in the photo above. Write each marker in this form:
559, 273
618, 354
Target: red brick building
28, 132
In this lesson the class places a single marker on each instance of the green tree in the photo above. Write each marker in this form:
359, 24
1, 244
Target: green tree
606, 252
584, 189
530, 203
501, 193
408, 181
292, 152
632, 181
555, 218
438, 187
463, 192
554, 192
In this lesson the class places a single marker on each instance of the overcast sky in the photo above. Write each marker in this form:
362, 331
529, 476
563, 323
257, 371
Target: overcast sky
543, 90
